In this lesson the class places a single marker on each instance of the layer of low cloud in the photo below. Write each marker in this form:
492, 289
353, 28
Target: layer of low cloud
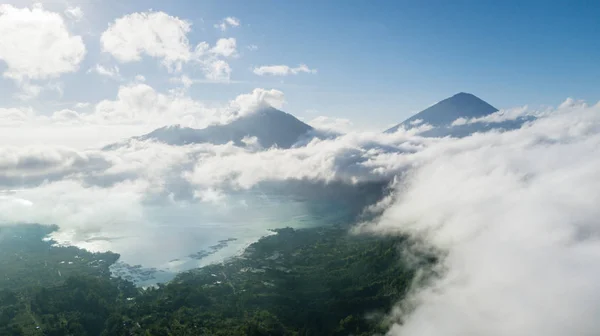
515, 215
502, 116
282, 70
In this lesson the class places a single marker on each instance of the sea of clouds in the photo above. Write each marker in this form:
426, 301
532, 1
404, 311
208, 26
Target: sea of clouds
514, 214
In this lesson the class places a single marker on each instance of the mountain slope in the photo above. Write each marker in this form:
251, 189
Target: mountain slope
442, 114
270, 126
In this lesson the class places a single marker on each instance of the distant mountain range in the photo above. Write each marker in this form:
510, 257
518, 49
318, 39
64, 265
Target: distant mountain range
273, 127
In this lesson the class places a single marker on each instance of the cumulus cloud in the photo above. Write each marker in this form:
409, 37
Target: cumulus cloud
514, 215
36, 45
217, 70
163, 36
225, 47
282, 70
140, 103
249, 102
227, 22
214, 67
66, 116
155, 34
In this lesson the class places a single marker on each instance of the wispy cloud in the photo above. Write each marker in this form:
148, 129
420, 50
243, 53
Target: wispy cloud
282, 70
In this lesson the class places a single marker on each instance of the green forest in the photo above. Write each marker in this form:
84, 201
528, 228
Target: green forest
317, 281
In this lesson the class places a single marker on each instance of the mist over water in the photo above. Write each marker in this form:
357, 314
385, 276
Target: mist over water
175, 236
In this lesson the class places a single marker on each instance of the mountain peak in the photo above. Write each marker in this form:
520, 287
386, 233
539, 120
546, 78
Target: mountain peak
269, 125
464, 94
443, 113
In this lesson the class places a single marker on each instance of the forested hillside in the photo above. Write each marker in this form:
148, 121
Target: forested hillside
318, 281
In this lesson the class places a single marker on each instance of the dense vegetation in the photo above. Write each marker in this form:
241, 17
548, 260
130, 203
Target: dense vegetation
317, 281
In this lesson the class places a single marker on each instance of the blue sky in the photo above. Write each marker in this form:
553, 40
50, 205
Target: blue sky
376, 62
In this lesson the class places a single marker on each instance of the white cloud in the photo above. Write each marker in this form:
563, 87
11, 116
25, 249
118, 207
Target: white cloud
140, 104
214, 68
217, 70
252, 47
111, 72
36, 44
247, 103
572, 103
66, 116
162, 36
351, 158
501, 116
227, 22
155, 34
74, 13
282, 70
225, 47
